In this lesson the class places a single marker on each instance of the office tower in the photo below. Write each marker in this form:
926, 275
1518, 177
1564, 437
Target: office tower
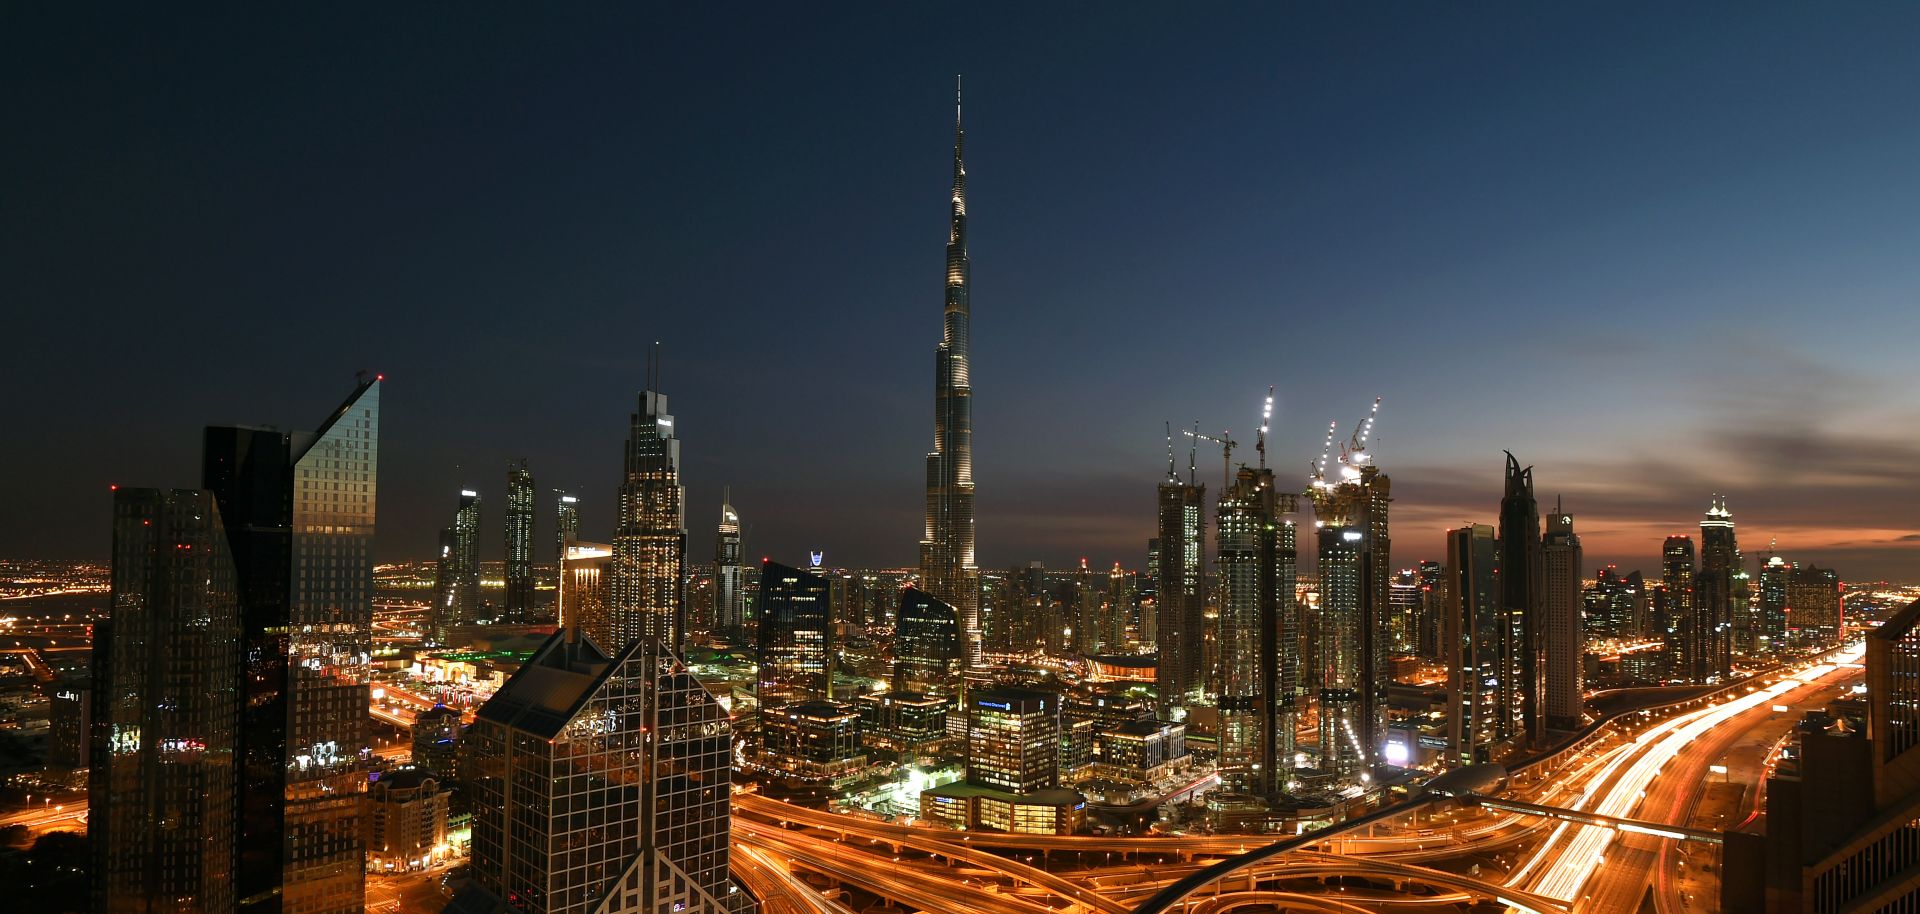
1676, 610
586, 590
457, 575
947, 568
926, 643
1773, 599
729, 574
161, 790
1354, 557
1814, 609
795, 634
566, 523
650, 545
1429, 642
1403, 610
617, 772
407, 819
1013, 739
1520, 579
1122, 603
299, 512
1086, 612
1258, 665
519, 563
1182, 603
1713, 596
1483, 710
1563, 643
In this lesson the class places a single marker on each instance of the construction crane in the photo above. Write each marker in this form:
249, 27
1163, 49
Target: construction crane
1227, 444
1358, 443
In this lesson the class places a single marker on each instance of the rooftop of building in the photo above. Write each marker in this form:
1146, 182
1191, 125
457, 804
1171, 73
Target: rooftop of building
1142, 727
1053, 796
550, 687
815, 708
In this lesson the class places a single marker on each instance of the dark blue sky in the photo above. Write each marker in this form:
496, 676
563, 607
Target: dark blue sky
1658, 253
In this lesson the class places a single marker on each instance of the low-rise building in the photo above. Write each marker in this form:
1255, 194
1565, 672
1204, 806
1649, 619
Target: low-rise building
406, 821
812, 739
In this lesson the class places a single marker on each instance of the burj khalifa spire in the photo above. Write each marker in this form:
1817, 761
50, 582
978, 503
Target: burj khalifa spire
947, 569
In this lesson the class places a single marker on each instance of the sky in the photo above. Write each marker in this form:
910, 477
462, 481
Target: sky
1657, 253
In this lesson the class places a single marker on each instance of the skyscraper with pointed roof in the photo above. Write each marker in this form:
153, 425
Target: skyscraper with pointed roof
729, 572
947, 568
1713, 595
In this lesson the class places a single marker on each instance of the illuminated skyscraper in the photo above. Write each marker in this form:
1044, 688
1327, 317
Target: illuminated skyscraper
795, 635
947, 568
616, 772
1774, 573
299, 514
650, 544
1676, 615
1180, 595
1713, 597
1258, 665
566, 523
1563, 640
519, 564
1814, 609
162, 780
457, 576
1355, 569
729, 573
1483, 711
1520, 586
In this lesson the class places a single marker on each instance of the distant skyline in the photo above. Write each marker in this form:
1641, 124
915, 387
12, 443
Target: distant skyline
1657, 253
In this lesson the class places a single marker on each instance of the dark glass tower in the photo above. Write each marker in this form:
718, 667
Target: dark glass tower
1481, 715
566, 523
1520, 585
947, 568
299, 512
1713, 595
1181, 570
795, 634
519, 565
925, 644
650, 544
162, 781
1677, 615
617, 771
457, 576
1563, 640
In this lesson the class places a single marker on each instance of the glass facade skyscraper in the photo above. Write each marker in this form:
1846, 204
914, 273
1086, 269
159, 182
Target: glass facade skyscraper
1677, 610
1563, 640
926, 646
947, 567
519, 552
795, 635
1520, 586
566, 523
650, 544
456, 599
163, 778
1483, 709
1713, 597
601, 784
299, 512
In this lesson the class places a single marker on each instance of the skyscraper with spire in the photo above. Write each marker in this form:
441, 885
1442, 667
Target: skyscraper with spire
650, 544
729, 575
1520, 584
947, 569
1713, 595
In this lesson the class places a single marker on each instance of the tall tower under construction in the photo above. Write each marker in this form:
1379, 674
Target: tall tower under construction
1181, 570
1350, 514
947, 569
